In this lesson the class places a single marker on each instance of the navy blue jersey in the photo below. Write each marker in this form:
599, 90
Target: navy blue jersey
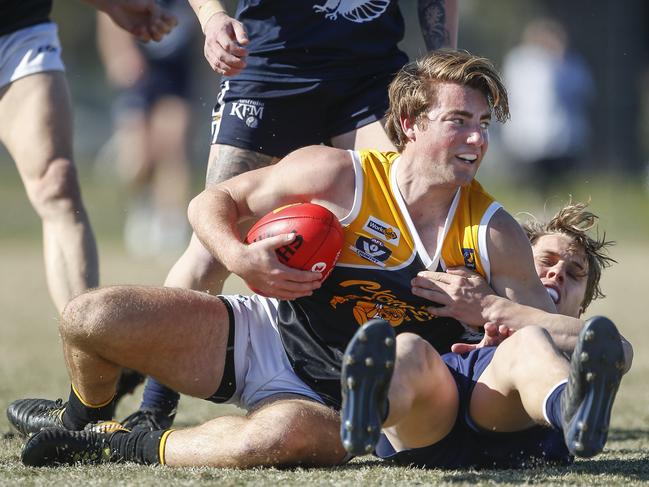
300, 40
18, 14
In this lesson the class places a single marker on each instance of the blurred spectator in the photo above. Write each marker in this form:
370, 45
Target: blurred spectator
152, 119
550, 88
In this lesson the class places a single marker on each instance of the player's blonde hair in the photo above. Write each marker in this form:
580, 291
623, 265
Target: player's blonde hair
414, 89
574, 221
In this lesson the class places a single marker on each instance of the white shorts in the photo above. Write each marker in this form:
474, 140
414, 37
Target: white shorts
261, 366
30, 50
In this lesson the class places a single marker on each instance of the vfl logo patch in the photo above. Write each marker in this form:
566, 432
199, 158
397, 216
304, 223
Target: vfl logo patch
250, 111
372, 249
382, 230
358, 11
469, 258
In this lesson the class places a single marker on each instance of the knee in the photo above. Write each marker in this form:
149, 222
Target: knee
87, 317
515, 353
416, 358
294, 437
529, 336
56, 190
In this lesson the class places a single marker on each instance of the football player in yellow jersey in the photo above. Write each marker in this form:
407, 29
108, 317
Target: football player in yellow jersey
516, 405
280, 357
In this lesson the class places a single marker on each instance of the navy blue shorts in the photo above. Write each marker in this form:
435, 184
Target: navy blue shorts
275, 118
169, 77
469, 446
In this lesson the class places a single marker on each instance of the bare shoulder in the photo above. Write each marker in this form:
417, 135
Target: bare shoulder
505, 232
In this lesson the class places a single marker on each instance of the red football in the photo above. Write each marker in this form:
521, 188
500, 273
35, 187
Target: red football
318, 241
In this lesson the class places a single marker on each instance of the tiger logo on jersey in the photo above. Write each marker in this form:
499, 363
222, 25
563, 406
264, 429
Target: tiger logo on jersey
357, 11
372, 301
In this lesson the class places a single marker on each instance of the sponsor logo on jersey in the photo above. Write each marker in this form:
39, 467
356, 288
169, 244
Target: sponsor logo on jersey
47, 48
469, 258
250, 111
358, 11
371, 249
382, 230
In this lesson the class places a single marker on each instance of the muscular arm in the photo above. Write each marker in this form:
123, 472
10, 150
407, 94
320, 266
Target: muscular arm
315, 174
439, 23
466, 296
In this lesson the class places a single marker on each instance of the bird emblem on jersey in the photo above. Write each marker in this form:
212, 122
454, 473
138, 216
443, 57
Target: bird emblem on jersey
358, 11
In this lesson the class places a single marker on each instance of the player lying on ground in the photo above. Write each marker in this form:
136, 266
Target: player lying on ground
517, 405
280, 359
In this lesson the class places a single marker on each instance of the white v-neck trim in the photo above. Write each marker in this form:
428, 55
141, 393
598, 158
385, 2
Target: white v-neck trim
429, 263
359, 182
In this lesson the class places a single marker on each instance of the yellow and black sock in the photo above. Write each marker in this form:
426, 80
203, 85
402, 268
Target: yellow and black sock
144, 447
78, 413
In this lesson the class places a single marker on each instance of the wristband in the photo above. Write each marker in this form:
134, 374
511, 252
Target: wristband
207, 10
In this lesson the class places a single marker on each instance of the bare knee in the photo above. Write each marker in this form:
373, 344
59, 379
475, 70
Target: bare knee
417, 360
87, 317
293, 435
55, 191
513, 355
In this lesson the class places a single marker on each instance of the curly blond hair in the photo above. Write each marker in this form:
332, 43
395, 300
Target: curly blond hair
576, 222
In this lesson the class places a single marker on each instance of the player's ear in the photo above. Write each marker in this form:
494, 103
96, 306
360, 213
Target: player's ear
581, 311
408, 128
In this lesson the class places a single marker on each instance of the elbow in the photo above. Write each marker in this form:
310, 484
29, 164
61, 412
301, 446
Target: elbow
193, 210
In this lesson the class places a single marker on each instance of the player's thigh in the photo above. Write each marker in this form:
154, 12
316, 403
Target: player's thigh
36, 122
176, 335
356, 115
495, 404
434, 406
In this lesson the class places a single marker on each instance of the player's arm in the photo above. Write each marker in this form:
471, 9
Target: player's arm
317, 174
120, 55
145, 19
225, 37
439, 23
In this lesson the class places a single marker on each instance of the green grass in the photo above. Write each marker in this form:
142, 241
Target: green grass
31, 362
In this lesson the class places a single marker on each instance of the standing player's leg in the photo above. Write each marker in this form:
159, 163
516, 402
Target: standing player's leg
36, 128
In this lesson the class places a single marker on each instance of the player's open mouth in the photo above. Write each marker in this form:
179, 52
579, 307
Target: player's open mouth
468, 158
553, 293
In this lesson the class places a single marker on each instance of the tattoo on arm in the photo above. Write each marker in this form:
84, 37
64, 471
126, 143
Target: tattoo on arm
432, 19
226, 161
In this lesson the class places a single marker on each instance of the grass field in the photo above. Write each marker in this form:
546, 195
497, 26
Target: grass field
31, 363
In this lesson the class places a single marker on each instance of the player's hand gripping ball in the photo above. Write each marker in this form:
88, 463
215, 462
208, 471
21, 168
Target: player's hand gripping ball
318, 236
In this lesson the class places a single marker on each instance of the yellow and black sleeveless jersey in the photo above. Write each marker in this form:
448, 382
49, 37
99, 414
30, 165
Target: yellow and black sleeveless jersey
381, 254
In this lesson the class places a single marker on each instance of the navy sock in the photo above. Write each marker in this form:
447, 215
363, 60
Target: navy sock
159, 397
78, 414
143, 447
552, 405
